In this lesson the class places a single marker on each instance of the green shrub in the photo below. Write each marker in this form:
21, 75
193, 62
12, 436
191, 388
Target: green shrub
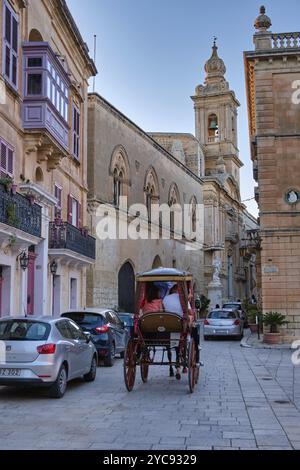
274, 320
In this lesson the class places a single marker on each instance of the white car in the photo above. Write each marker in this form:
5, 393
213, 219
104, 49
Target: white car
223, 322
46, 352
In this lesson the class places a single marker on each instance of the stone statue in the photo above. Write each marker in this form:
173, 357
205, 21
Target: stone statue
217, 265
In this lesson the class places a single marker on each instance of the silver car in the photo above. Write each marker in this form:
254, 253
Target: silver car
223, 322
45, 351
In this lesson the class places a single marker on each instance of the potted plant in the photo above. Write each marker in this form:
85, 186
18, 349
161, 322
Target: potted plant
7, 182
274, 320
254, 316
14, 188
12, 219
204, 302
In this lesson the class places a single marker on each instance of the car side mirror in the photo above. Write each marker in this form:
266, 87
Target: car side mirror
88, 336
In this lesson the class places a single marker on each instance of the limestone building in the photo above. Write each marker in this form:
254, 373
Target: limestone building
45, 247
273, 88
125, 161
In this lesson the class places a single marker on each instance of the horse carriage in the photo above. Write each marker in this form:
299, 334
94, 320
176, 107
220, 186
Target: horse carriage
163, 332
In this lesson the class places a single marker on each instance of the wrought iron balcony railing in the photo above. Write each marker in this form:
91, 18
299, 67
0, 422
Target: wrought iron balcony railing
65, 236
17, 211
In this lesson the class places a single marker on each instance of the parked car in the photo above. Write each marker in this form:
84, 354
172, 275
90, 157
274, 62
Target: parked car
223, 322
127, 319
237, 306
107, 331
46, 352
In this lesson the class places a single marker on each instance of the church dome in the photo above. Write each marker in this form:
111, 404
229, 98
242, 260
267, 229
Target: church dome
215, 67
262, 22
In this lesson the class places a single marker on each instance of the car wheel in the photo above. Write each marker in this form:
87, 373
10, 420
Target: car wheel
206, 338
91, 375
122, 354
58, 389
110, 359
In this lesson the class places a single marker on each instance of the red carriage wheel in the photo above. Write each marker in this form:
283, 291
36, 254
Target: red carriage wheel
193, 368
145, 367
130, 364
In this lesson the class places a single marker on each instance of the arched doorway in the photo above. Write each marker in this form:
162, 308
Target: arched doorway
126, 287
156, 262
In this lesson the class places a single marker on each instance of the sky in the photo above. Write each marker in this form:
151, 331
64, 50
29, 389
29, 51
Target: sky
151, 55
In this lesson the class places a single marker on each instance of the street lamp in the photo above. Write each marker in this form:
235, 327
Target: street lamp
24, 260
53, 267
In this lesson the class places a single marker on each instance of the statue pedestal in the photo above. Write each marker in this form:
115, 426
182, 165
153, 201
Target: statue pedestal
215, 294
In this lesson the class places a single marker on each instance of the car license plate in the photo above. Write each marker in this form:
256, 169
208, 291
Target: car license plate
10, 372
222, 332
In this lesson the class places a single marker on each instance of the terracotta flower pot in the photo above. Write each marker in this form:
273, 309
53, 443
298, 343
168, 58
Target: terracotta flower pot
272, 338
253, 327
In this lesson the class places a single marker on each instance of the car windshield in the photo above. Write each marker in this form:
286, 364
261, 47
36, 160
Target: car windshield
85, 318
24, 330
235, 306
222, 315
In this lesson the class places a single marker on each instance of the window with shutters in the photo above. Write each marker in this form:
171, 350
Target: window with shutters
58, 195
6, 159
76, 132
10, 45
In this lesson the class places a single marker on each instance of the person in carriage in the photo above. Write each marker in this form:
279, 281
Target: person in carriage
164, 320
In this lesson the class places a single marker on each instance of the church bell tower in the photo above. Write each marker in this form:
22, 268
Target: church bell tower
216, 118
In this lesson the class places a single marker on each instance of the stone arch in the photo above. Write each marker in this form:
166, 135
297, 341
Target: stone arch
233, 188
212, 127
35, 36
151, 189
174, 196
174, 203
193, 213
151, 183
157, 262
120, 171
39, 175
126, 287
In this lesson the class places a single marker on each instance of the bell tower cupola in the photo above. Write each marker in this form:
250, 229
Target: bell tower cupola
216, 117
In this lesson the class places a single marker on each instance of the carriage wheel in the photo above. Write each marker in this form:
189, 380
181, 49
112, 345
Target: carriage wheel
130, 365
193, 369
145, 367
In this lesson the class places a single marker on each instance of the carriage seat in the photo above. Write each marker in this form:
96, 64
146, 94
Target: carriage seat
161, 322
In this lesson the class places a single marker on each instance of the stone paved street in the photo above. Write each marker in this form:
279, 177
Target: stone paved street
246, 399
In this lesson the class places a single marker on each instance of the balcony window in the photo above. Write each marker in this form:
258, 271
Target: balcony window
10, 45
46, 92
35, 62
45, 78
35, 84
